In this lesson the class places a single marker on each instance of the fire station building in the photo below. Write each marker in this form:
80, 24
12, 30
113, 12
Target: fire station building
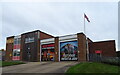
40, 46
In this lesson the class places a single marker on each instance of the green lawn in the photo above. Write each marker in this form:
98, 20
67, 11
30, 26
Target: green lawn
93, 68
10, 63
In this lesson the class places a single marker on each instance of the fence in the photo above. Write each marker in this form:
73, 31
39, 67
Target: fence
104, 59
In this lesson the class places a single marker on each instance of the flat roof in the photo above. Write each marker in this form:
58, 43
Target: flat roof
103, 41
70, 35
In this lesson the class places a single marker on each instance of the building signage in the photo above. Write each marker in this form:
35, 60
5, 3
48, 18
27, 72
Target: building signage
16, 54
98, 51
48, 46
17, 46
68, 50
29, 40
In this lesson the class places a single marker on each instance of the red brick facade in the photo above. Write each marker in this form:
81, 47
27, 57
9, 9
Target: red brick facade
34, 46
82, 47
31, 51
107, 48
9, 48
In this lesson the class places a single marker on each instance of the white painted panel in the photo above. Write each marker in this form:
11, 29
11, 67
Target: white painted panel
40, 52
47, 41
68, 40
68, 37
19, 36
59, 51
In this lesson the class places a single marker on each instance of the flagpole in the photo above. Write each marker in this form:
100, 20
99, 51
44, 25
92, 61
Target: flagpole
84, 24
86, 40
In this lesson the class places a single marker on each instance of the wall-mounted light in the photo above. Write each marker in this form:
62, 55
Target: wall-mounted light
28, 47
56, 52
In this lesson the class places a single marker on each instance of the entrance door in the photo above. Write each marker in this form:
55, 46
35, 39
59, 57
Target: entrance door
47, 52
69, 51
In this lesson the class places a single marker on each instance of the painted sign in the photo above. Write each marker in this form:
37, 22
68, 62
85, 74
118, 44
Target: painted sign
16, 48
29, 40
11, 40
48, 46
98, 51
16, 54
68, 50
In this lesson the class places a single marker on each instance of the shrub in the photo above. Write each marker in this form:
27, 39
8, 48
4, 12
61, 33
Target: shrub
111, 60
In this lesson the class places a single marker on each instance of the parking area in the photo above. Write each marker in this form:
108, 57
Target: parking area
39, 67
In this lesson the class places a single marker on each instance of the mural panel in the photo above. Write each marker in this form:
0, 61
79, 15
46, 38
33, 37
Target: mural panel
68, 51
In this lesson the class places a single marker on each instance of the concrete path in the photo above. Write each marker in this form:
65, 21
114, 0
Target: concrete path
39, 67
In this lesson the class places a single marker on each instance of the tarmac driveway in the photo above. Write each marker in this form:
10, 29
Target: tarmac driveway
39, 67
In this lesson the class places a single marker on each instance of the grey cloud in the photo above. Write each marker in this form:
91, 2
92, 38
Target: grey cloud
61, 19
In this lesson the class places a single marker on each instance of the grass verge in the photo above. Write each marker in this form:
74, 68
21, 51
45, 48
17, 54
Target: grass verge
10, 63
93, 68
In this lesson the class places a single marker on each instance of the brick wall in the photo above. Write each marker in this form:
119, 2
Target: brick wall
44, 35
34, 46
9, 48
82, 47
56, 49
106, 47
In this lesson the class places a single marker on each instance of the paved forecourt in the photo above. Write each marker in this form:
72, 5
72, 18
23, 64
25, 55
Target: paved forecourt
39, 67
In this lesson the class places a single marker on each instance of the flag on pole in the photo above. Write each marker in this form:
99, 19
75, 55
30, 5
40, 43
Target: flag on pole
85, 16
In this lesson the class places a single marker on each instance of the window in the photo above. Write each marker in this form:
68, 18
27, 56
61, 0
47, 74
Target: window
26, 40
17, 41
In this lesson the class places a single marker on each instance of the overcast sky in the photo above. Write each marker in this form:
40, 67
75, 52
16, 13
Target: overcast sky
60, 18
